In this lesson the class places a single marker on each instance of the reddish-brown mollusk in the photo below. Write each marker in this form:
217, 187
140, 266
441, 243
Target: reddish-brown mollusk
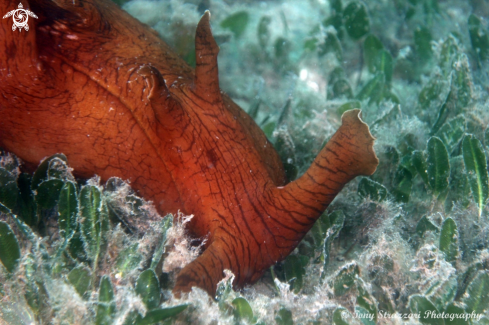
89, 81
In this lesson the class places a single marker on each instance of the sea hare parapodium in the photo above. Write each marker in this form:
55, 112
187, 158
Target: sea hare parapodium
93, 83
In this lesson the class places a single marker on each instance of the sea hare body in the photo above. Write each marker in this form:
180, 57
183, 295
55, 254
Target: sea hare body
89, 81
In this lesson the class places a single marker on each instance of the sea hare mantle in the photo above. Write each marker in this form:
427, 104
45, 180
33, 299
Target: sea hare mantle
93, 83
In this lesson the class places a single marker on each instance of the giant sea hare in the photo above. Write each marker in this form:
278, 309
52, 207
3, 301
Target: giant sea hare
89, 81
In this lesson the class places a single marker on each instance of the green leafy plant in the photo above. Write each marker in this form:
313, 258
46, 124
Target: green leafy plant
9, 247
236, 23
79, 259
476, 167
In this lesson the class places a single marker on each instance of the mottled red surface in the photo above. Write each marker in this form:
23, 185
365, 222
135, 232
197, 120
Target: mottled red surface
89, 81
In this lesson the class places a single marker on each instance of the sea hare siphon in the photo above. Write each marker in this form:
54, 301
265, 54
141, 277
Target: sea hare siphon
89, 81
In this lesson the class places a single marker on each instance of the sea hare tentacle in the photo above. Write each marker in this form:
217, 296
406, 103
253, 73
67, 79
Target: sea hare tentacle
206, 50
89, 81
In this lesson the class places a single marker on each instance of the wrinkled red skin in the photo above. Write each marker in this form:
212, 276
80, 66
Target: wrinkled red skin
89, 81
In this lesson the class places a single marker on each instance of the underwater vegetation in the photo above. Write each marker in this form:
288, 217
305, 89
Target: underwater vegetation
409, 240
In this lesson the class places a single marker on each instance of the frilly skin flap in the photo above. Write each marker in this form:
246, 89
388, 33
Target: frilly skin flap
93, 83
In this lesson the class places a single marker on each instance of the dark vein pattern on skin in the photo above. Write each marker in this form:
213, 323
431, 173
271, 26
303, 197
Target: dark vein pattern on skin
102, 88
